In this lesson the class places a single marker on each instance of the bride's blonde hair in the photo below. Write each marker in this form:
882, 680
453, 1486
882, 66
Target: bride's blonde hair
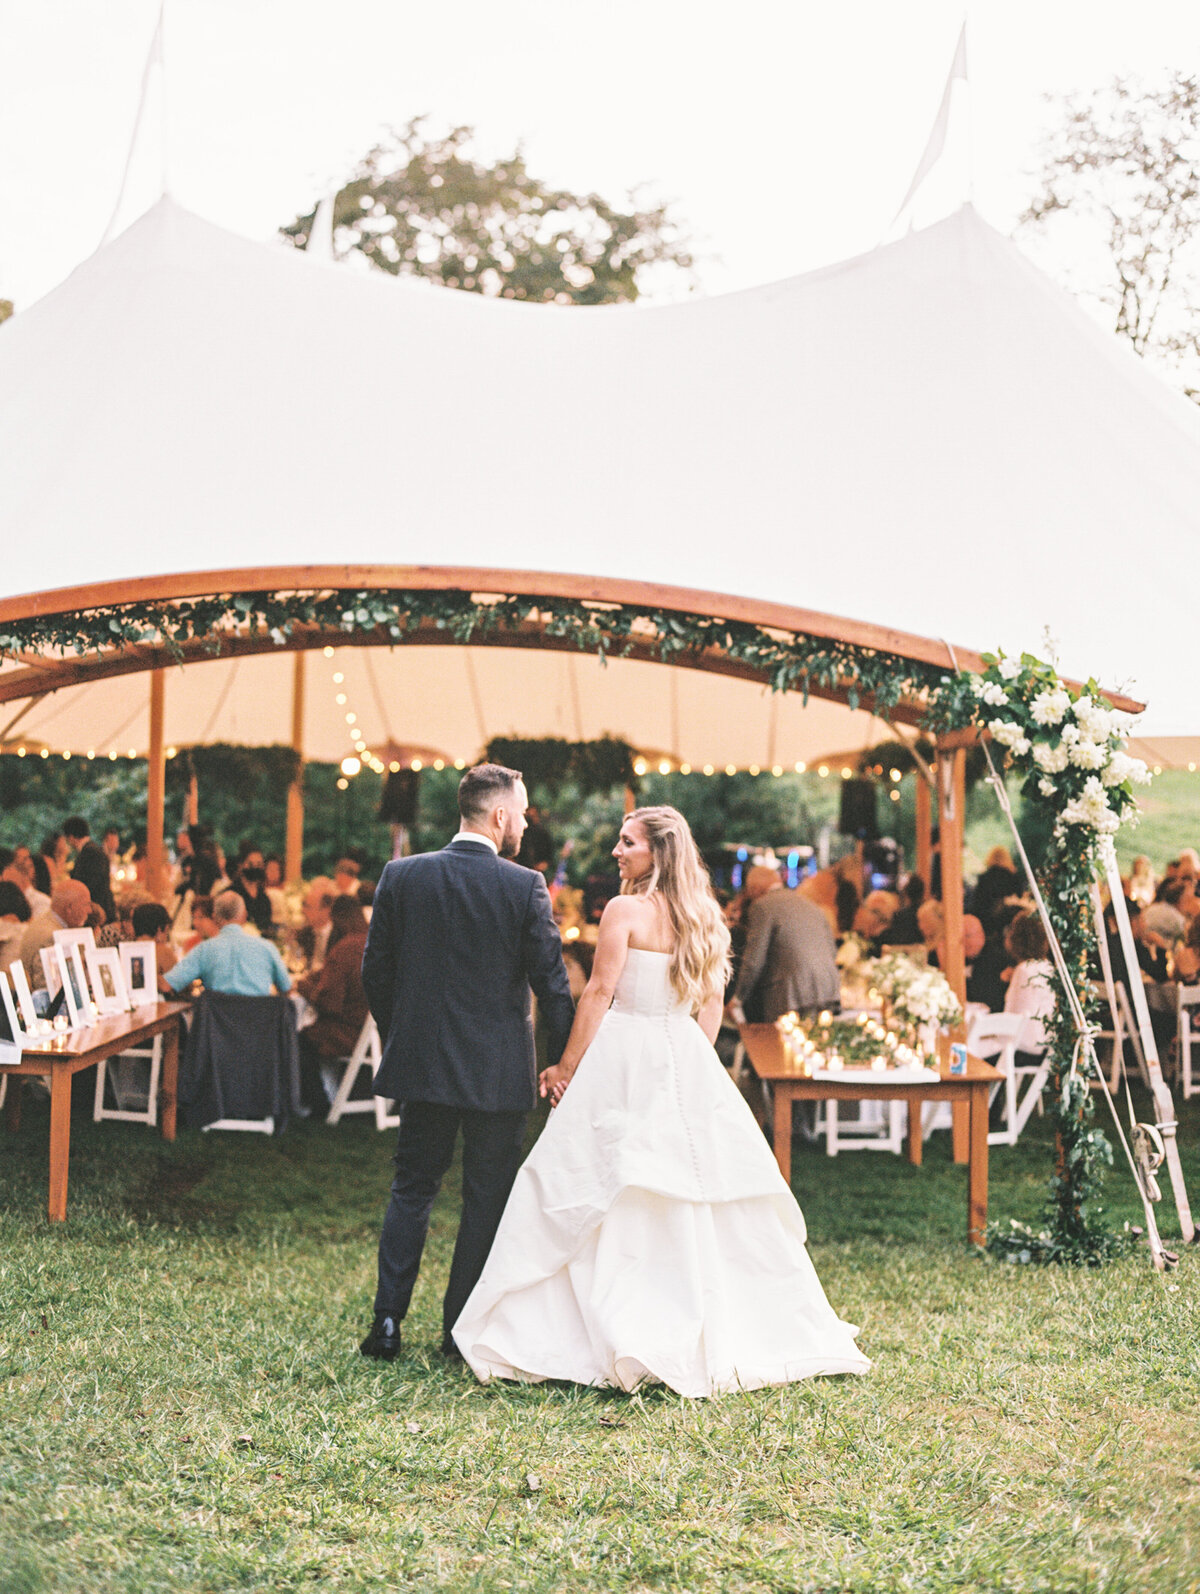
700, 959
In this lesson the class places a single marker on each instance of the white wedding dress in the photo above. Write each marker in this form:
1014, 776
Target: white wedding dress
650, 1237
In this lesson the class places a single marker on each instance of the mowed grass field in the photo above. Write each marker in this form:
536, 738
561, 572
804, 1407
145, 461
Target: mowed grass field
182, 1405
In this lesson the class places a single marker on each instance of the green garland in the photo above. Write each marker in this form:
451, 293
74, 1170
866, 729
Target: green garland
601, 766
1022, 704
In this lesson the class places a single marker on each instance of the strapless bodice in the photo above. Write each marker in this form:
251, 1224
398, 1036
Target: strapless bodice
645, 990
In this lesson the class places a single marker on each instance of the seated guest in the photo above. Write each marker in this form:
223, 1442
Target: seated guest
70, 904
92, 866
904, 929
346, 874
1187, 956
14, 916
790, 960
366, 897
273, 868
1142, 881
50, 863
233, 962
874, 918
991, 968
336, 991
250, 883
20, 870
1165, 916
204, 926
1030, 991
152, 922
313, 937
931, 921
998, 880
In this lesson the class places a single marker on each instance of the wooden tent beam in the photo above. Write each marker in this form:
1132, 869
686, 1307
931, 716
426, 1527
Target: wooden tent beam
293, 851
156, 787
449, 578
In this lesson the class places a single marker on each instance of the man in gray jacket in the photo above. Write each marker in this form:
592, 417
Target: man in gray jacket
790, 961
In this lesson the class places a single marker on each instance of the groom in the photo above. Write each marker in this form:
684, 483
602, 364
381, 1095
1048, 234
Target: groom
457, 938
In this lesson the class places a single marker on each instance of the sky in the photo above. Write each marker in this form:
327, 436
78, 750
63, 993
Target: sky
785, 132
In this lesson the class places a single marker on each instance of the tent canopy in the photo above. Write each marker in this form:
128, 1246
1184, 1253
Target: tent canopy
932, 436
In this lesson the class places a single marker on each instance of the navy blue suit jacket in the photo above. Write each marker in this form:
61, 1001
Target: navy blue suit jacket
457, 939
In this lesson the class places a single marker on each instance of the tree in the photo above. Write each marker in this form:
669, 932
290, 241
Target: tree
424, 206
1121, 173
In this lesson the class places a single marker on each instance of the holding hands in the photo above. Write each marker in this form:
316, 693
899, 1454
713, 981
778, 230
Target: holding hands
553, 1082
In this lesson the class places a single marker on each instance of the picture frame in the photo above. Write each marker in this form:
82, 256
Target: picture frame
15, 1027
20, 985
107, 981
139, 964
51, 971
80, 1007
84, 938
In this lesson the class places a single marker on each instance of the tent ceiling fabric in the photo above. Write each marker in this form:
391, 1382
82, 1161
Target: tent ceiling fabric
931, 436
452, 699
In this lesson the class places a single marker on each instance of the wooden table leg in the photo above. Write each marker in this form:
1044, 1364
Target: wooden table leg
977, 1172
916, 1138
960, 1134
60, 1141
12, 1103
783, 1129
168, 1082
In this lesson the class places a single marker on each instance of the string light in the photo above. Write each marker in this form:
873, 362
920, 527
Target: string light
460, 763
416, 764
328, 652
777, 769
639, 766
896, 775
664, 766
685, 769
801, 766
350, 766
343, 783
338, 678
394, 767
823, 770
20, 752
731, 769
45, 752
754, 769
340, 700
708, 769
439, 763
846, 773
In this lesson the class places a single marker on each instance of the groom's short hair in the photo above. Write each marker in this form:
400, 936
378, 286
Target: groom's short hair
481, 788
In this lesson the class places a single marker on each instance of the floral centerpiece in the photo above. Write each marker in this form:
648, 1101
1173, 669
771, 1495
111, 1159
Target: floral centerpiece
917, 997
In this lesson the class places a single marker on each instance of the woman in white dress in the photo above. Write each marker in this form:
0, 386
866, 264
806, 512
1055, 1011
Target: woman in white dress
650, 1237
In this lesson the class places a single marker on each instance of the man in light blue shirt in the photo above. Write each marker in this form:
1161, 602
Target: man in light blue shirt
232, 961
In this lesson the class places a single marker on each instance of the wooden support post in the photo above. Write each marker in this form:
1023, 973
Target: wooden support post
193, 801
156, 867
924, 816
294, 849
952, 802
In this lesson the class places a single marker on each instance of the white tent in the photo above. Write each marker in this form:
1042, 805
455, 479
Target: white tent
931, 436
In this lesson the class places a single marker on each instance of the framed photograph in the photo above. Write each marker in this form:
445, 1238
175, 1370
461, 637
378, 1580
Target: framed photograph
84, 939
80, 1009
107, 981
20, 984
10, 1012
139, 964
50, 970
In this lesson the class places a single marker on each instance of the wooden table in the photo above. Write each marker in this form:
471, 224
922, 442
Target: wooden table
770, 1060
63, 1056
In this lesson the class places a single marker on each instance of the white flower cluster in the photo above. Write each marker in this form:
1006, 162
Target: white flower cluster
1009, 734
920, 995
1091, 808
1082, 733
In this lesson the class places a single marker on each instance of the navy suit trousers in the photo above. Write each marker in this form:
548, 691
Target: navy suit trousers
492, 1146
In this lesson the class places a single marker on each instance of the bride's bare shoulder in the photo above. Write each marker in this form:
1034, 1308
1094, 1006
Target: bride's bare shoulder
641, 919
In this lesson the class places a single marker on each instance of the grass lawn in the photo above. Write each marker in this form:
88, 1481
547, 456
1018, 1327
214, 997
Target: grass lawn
182, 1406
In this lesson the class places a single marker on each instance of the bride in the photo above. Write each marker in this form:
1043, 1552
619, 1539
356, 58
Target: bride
650, 1237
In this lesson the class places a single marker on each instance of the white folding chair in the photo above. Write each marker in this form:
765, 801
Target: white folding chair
994, 1037
1133, 1032
880, 1126
123, 1094
1114, 1034
367, 1053
1187, 997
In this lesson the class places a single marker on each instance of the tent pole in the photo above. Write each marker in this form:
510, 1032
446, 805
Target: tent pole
924, 817
952, 802
156, 789
294, 849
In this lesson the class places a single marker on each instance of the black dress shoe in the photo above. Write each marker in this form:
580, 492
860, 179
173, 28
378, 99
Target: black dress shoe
450, 1350
383, 1342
